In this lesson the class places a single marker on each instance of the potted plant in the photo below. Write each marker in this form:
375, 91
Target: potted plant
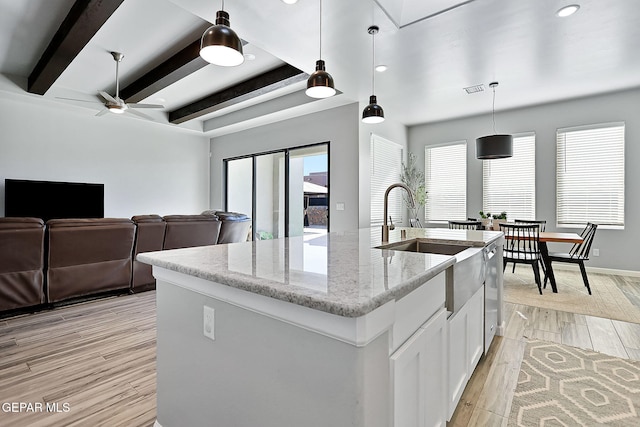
414, 179
485, 218
500, 219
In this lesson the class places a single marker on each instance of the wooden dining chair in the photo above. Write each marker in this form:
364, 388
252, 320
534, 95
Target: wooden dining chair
522, 246
541, 222
578, 254
543, 225
464, 225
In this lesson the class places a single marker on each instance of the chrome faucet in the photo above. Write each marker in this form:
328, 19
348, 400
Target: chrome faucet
412, 204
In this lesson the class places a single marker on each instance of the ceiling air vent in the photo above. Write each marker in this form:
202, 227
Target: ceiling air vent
474, 89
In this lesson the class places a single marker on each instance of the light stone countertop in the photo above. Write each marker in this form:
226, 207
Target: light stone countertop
341, 273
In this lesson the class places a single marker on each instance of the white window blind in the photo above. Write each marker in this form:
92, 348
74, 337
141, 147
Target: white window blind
386, 165
446, 182
590, 175
509, 185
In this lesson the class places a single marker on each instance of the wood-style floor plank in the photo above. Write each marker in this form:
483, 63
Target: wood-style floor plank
604, 337
576, 335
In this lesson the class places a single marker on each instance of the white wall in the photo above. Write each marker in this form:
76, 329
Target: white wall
339, 126
618, 248
145, 167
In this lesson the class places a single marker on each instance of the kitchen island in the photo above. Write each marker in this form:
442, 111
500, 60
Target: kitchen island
328, 330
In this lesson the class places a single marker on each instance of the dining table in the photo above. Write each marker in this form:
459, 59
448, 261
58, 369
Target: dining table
552, 236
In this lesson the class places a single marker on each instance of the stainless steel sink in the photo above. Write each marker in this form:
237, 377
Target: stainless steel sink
463, 278
417, 245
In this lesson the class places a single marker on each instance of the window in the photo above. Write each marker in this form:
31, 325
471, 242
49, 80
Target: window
446, 182
590, 175
386, 165
509, 185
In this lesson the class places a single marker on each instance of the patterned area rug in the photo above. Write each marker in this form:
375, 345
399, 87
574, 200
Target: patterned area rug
614, 297
566, 386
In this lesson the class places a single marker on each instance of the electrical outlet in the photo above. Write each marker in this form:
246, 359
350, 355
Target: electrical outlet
209, 322
596, 252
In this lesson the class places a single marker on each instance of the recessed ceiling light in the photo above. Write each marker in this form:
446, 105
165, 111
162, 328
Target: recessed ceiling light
290, 1
568, 10
249, 56
381, 68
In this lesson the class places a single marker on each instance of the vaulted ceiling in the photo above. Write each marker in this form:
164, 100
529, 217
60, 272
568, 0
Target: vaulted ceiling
59, 49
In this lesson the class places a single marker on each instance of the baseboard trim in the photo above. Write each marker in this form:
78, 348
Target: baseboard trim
157, 424
597, 270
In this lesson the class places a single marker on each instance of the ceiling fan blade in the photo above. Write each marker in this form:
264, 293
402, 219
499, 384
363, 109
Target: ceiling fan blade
139, 114
108, 97
102, 112
78, 100
145, 106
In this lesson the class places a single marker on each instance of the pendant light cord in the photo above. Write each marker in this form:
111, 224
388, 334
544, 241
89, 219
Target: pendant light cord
373, 65
493, 111
320, 29
222, 5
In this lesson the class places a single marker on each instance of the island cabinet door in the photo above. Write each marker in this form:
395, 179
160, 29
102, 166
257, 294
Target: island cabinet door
418, 376
465, 340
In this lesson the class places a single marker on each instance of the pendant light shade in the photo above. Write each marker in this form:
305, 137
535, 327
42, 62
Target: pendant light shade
220, 45
494, 146
373, 113
320, 83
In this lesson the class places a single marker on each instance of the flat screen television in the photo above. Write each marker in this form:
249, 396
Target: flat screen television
52, 200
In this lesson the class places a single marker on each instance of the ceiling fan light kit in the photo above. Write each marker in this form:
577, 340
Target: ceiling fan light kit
115, 104
320, 83
373, 113
494, 146
220, 45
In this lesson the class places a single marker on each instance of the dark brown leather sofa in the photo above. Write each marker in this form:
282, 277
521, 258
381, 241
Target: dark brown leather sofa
185, 231
234, 227
88, 256
72, 258
149, 237
21, 262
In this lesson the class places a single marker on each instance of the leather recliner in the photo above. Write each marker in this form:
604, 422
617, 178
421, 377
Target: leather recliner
88, 256
184, 231
149, 237
21, 262
234, 227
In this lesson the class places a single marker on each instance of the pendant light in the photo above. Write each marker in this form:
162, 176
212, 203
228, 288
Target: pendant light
373, 113
220, 45
494, 146
320, 83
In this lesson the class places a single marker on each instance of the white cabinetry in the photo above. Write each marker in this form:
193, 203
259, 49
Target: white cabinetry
465, 333
418, 370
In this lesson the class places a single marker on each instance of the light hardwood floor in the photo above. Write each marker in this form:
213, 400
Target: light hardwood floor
99, 358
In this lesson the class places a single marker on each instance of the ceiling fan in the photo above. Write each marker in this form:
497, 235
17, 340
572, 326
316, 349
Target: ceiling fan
115, 104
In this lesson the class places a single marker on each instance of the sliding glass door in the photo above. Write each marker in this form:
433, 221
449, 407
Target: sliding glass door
285, 192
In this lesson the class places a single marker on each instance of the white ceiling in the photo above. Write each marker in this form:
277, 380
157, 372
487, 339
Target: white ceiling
536, 56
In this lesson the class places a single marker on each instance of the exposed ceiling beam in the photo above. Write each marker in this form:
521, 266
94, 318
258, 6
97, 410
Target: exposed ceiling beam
248, 89
82, 22
177, 67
